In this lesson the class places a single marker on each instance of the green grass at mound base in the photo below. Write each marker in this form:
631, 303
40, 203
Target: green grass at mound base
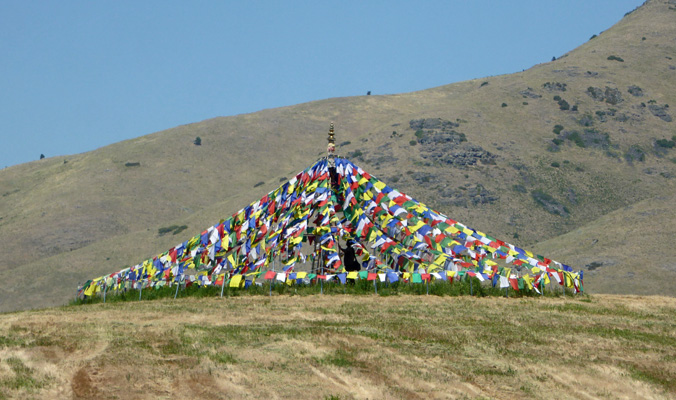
359, 288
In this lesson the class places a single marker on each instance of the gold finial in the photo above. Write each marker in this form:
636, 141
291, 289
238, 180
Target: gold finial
332, 141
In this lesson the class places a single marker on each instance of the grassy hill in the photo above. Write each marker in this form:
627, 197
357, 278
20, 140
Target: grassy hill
342, 347
562, 148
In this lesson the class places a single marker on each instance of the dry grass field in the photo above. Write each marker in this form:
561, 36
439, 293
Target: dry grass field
344, 347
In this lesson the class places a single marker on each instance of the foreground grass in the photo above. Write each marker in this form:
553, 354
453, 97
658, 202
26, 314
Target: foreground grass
343, 346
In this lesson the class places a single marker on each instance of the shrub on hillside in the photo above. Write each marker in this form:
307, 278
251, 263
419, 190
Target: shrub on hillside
665, 143
549, 203
634, 153
355, 154
615, 58
576, 138
173, 229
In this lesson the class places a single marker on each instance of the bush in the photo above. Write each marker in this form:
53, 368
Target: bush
577, 139
667, 144
484, 84
413, 142
615, 58
259, 184
132, 164
173, 229
557, 141
549, 203
557, 129
519, 188
419, 133
355, 154
557, 98
42, 156
198, 141
634, 153
555, 164
525, 103
563, 105
504, 105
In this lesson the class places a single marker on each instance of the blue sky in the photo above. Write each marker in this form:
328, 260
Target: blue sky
79, 75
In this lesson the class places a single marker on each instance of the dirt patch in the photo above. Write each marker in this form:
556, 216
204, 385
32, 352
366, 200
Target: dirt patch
83, 386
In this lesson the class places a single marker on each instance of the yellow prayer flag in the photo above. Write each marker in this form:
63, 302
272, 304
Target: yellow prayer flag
439, 262
452, 230
417, 226
91, 289
236, 281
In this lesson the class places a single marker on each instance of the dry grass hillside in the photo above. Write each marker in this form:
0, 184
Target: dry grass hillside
526, 157
344, 347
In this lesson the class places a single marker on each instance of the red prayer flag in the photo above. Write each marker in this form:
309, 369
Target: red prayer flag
270, 275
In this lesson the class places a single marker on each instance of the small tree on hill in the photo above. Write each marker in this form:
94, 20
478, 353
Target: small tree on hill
198, 141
